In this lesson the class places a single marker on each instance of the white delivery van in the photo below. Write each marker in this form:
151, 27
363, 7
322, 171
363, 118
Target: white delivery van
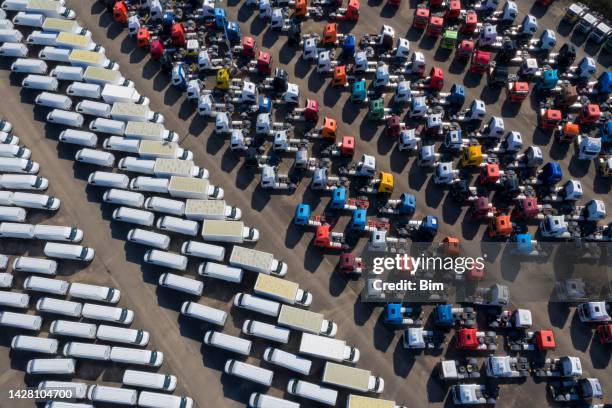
266, 331
227, 342
52, 100
20, 321
84, 90
134, 216
112, 395
149, 184
46, 285
110, 126
148, 238
78, 137
78, 389
181, 283
59, 306
127, 355
121, 144
58, 233
49, 366
258, 400
23, 182
123, 335
73, 329
87, 351
95, 157
165, 205
6, 280
287, 360
93, 108
66, 118
203, 312
38, 201
16, 230
40, 82
106, 179
3, 262
29, 19
41, 38
55, 54
14, 50
156, 400
15, 5
178, 225
123, 197
94, 292
17, 165
107, 313
166, 259
249, 372
137, 165
257, 304
312, 391
67, 73
34, 344
220, 271
69, 251
12, 214
145, 379
35, 265
29, 66
14, 299
202, 250
10, 35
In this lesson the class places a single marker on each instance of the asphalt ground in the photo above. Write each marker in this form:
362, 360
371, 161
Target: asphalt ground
409, 379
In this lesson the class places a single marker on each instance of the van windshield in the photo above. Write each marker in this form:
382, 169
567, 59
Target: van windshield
73, 233
38, 182
110, 294
153, 357
83, 253
124, 313
49, 202
139, 336
167, 380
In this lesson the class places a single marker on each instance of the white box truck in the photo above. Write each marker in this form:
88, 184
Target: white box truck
355, 379
151, 149
117, 93
77, 42
176, 167
190, 187
149, 131
50, 8
103, 76
306, 321
281, 290
200, 210
60, 25
328, 348
228, 231
129, 111
257, 261
84, 58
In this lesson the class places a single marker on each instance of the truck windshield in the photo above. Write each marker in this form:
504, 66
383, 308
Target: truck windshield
110, 294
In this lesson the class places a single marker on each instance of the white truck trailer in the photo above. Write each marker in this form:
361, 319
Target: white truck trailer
193, 187
179, 168
77, 42
306, 321
60, 25
151, 149
353, 378
103, 76
50, 8
200, 210
84, 58
228, 231
257, 261
282, 290
129, 111
149, 131
328, 348
358, 401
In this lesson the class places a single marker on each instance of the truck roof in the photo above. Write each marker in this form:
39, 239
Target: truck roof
157, 148
358, 401
178, 183
300, 318
175, 167
86, 57
346, 376
43, 4
321, 346
101, 74
281, 288
142, 128
129, 108
196, 206
71, 39
59, 24
222, 228
247, 256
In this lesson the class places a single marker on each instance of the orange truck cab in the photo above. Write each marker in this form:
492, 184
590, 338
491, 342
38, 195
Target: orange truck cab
120, 12
518, 91
328, 131
330, 34
500, 227
340, 79
550, 118
589, 114
490, 174
143, 37
567, 133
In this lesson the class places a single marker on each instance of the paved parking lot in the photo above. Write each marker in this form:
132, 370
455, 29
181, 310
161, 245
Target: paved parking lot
408, 379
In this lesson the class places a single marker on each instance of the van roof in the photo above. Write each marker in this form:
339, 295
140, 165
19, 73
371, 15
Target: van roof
71, 39
276, 286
